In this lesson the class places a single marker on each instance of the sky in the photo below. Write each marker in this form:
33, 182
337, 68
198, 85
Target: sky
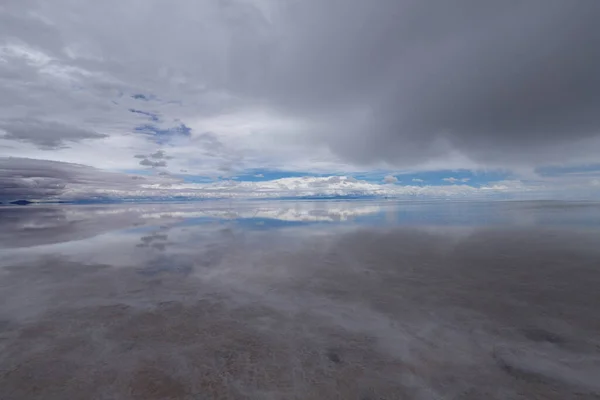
287, 98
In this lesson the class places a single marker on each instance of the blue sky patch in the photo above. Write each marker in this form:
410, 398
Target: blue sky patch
258, 175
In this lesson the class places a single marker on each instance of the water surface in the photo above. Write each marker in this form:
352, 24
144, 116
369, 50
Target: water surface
300, 300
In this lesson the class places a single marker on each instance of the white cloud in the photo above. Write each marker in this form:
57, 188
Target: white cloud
455, 180
417, 180
390, 179
299, 211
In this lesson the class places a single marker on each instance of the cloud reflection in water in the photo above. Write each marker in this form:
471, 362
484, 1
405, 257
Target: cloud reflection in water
308, 299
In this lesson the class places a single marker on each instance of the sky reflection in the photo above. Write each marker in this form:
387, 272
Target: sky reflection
303, 299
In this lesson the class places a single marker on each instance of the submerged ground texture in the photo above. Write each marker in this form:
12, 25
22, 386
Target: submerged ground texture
219, 309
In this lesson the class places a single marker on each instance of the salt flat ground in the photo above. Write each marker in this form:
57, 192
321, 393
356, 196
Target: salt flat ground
300, 300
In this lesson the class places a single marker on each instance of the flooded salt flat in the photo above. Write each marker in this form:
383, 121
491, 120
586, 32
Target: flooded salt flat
300, 300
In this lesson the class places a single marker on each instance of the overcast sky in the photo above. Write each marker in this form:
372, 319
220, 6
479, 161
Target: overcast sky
220, 88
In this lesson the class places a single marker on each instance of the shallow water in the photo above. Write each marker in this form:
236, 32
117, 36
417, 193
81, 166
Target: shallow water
300, 300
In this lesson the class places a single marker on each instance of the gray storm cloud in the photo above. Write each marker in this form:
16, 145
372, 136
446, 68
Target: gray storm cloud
501, 81
149, 163
402, 81
23, 178
45, 134
154, 160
